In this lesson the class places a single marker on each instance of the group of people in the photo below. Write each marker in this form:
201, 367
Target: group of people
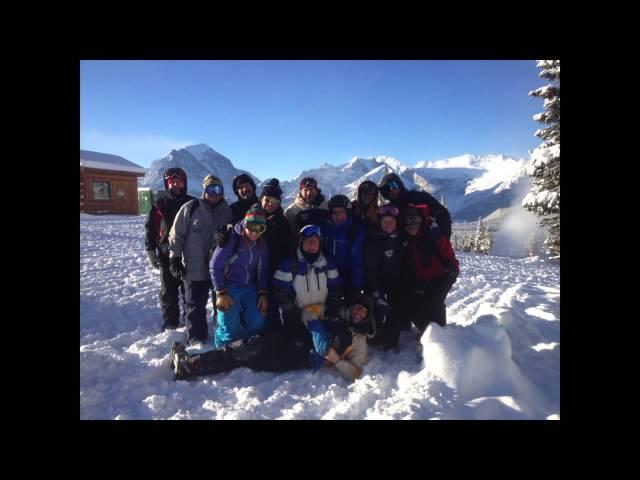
306, 287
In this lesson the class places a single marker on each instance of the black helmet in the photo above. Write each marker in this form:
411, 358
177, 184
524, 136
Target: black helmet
175, 172
339, 201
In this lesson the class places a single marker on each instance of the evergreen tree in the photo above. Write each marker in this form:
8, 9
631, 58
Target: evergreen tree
544, 166
482, 240
443, 201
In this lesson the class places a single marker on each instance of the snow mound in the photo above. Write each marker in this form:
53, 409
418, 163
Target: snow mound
476, 362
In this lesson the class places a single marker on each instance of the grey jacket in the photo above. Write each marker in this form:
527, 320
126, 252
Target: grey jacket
191, 236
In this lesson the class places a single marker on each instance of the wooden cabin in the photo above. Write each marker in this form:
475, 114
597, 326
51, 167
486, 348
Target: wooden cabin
108, 184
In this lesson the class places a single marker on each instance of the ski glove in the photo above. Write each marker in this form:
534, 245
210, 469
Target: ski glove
224, 302
263, 303
311, 312
152, 256
177, 268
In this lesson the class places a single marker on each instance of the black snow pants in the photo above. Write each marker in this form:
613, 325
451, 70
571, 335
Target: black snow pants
278, 351
427, 303
389, 321
195, 318
169, 296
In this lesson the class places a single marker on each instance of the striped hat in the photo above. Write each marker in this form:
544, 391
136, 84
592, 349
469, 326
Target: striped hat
256, 215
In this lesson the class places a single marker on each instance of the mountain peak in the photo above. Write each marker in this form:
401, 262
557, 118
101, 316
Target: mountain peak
197, 161
198, 150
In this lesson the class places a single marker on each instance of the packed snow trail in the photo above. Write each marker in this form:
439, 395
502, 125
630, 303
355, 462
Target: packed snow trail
498, 357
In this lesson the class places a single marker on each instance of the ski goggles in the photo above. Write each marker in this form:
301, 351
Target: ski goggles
412, 220
310, 230
258, 228
388, 210
392, 185
214, 189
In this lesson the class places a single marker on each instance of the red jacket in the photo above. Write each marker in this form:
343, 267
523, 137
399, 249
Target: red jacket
430, 251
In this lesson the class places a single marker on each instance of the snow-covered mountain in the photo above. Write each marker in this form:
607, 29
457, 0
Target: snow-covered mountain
472, 186
198, 161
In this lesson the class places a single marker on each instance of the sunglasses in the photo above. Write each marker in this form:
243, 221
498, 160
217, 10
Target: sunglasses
258, 228
310, 230
412, 220
385, 210
214, 189
271, 201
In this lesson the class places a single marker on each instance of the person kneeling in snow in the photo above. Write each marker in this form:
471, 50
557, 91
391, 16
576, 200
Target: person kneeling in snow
240, 274
287, 349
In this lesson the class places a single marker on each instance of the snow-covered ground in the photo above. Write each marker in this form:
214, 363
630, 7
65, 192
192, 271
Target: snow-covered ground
498, 357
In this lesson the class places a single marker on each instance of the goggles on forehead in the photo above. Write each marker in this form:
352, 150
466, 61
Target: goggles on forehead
174, 173
393, 185
256, 227
214, 189
386, 210
310, 230
308, 183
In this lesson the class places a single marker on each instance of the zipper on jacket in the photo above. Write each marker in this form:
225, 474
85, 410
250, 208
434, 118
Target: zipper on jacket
247, 266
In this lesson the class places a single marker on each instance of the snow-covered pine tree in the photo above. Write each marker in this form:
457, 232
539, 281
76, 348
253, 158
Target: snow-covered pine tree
485, 243
454, 242
443, 201
544, 166
481, 241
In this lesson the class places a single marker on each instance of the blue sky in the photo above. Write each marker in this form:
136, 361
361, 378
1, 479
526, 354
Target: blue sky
277, 118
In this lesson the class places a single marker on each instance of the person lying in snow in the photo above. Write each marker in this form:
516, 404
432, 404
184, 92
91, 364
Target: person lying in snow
288, 349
